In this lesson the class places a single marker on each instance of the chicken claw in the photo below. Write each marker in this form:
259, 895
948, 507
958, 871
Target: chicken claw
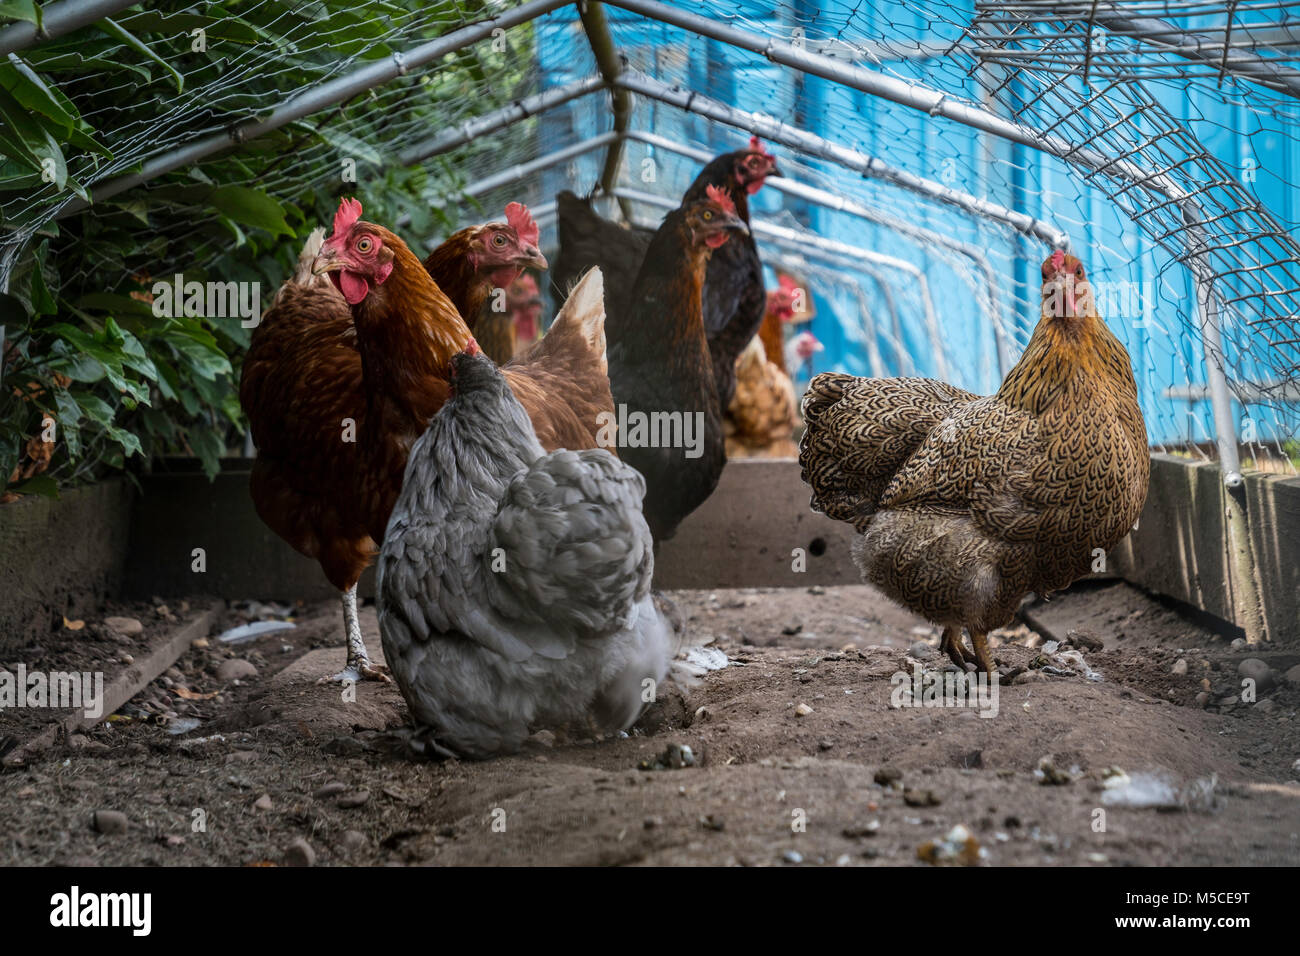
358, 669
951, 645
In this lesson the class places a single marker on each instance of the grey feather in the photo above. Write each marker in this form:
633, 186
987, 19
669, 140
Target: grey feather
513, 587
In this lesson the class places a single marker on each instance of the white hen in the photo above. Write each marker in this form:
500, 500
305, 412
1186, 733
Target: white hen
514, 585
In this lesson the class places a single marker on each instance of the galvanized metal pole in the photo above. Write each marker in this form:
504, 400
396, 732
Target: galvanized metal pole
1207, 306
58, 19
317, 98
894, 335
1192, 46
517, 172
610, 65
874, 358
865, 165
498, 119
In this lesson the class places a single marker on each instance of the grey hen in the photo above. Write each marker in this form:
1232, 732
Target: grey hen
514, 585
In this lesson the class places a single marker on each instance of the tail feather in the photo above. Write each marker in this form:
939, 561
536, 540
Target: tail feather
302, 274
583, 314
860, 431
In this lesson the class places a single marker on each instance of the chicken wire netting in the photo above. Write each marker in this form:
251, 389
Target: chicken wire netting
1158, 139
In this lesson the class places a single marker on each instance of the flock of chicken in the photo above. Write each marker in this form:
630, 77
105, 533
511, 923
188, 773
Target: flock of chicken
514, 514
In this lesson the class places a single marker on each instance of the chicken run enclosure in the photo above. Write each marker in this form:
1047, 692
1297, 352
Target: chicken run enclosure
932, 155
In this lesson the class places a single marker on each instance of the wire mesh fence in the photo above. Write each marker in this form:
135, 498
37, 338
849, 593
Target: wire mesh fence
934, 154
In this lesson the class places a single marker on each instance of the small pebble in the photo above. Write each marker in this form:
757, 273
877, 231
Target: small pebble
1258, 671
330, 789
888, 776
110, 822
868, 829
792, 856
299, 853
1179, 668
353, 840
803, 710
124, 626
263, 802
236, 669
354, 799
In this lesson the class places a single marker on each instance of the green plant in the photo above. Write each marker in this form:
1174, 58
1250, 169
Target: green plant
82, 340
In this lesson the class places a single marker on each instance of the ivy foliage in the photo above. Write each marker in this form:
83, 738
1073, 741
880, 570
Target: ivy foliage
88, 360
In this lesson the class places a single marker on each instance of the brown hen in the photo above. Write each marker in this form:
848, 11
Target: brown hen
966, 504
761, 418
336, 394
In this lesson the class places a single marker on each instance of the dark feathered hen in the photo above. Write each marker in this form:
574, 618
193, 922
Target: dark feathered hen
966, 504
514, 585
659, 365
734, 298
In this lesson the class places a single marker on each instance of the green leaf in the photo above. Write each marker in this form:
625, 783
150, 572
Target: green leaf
25, 10
250, 207
42, 485
30, 90
199, 350
50, 61
225, 27
96, 409
129, 441
42, 302
31, 142
350, 146
112, 29
207, 444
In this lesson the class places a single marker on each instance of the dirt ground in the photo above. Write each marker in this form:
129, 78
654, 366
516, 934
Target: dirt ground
802, 751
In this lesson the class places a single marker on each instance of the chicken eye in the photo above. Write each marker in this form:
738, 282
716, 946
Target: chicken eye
498, 240
708, 215
364, 244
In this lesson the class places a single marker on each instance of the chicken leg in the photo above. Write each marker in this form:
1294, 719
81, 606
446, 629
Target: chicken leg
982, 656
358, 666
950, 644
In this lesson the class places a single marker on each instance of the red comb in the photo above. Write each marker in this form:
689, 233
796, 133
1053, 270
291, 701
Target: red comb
471, 347
720, 197
756, 146
349, 212
522, 222
1058, 259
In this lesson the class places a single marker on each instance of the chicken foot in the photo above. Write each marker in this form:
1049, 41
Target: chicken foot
358, 666
951, 644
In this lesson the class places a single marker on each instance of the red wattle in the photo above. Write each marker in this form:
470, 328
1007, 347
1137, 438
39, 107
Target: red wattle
353, 286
